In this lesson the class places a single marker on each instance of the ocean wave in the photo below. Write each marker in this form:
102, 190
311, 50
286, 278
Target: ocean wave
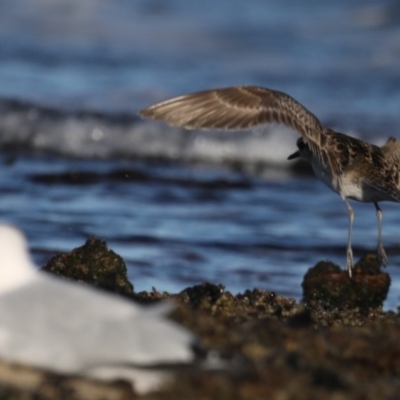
85, 134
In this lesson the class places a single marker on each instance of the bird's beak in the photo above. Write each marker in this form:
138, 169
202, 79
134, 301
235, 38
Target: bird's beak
296, 154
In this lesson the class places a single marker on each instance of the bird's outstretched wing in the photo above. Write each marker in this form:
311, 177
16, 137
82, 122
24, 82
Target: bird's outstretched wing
236, 108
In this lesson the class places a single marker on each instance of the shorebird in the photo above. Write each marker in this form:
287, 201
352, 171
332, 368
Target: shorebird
350, 167
60, 326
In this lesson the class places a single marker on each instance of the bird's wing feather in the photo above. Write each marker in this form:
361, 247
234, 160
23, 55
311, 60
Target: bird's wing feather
237, 108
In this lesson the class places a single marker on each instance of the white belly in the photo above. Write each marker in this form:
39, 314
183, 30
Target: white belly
351, 189
346, 186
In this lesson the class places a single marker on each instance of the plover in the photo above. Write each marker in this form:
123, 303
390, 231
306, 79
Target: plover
351, 167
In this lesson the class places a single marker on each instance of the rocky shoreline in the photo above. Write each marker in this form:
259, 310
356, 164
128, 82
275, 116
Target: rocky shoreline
337, 343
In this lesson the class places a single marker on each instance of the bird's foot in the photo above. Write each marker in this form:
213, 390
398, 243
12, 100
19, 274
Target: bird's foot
349, 261
382, 255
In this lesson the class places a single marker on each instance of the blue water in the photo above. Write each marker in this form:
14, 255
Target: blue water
184, 207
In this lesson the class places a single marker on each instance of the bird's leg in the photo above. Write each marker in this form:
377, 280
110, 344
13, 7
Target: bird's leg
381, 251
349, 252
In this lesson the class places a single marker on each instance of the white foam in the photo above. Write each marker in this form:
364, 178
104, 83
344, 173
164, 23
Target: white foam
68, 328
95, 137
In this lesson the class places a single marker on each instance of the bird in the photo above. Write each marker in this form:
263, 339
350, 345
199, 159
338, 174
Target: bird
351, 167
61, 326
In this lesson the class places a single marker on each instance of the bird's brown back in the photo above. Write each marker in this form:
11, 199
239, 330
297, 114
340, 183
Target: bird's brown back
374, 166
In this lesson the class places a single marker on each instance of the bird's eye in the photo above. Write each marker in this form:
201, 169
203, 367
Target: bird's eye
300, 144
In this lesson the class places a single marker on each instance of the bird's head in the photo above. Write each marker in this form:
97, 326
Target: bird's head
303, 151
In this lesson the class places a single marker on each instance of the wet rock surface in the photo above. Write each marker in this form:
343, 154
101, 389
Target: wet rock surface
93, 264
336, 344
328, 286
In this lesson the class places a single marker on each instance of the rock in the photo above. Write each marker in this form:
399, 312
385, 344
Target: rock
206, 293
336, 344
328, 286
18, 382
95, 265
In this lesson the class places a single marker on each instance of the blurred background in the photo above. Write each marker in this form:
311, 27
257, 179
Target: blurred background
185, 207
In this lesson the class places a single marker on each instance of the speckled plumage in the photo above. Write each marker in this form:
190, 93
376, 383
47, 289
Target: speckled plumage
351, 167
